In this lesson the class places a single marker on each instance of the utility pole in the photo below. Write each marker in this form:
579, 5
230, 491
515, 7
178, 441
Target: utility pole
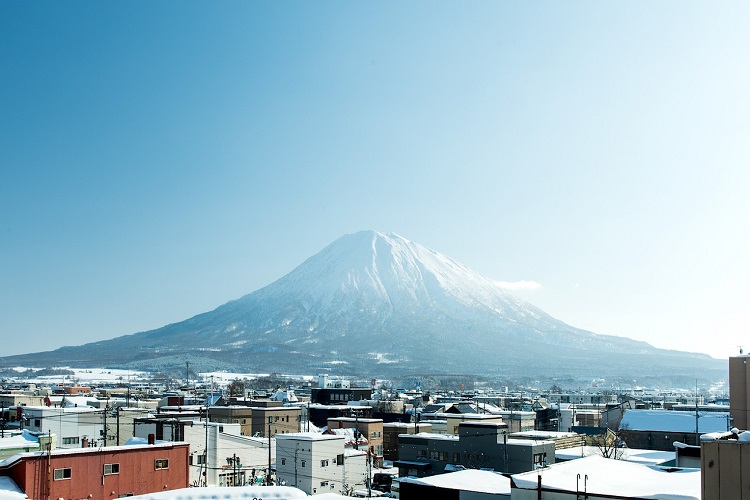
697, 435
106, 410
187, 373
49, 464
268, 476
118, 425
205, 454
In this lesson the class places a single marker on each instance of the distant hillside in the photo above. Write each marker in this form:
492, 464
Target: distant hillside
376, 304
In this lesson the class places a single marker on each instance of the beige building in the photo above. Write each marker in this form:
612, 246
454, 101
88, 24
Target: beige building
391, 431
725, 466
21, 399
371, 428
258, 420
739, 385
454, 419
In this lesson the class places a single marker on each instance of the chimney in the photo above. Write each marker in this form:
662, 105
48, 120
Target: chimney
151, 439
85, 442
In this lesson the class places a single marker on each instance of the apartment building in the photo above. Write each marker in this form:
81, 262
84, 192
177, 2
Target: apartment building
319, 463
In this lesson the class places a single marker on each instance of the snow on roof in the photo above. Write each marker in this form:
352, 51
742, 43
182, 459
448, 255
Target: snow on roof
615, 478
80, 401
544, 434
75, 451
348, 434
480, 481
648, 457
674, 421
308, 436
227, 493
23, 440
432, 435
9, 489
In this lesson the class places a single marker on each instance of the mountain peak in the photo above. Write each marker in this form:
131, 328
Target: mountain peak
371, 299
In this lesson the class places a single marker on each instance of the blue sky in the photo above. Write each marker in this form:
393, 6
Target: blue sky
161, 158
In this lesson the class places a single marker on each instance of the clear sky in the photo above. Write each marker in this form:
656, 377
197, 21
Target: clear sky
158, 159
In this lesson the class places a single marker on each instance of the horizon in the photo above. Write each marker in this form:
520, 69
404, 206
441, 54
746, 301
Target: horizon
160, 161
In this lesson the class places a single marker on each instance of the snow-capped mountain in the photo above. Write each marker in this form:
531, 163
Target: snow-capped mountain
378, 303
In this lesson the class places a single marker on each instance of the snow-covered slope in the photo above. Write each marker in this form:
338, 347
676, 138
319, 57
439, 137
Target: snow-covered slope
371, 300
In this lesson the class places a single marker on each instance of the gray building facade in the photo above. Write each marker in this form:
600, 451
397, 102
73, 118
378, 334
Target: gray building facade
478, 445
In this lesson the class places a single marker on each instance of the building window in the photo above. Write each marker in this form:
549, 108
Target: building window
434, 455
540, 460
71, 440
276, 419
283, 461
324, 463
303, 463
456, 457
324, 483
421, 453
37, 422
62, 474
111, 469
161, 464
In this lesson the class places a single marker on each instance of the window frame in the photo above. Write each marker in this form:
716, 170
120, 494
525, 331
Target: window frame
114, 469
161, 464
62, 477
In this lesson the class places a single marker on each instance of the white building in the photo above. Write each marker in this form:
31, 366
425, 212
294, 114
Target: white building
75, 427
318, 463
232, 459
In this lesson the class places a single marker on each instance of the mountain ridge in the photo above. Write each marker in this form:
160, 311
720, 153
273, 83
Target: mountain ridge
371, 300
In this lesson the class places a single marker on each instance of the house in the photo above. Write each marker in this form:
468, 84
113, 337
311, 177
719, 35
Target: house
318, 463
478, 445
99, 472
597, 478
470, 483
659, 429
